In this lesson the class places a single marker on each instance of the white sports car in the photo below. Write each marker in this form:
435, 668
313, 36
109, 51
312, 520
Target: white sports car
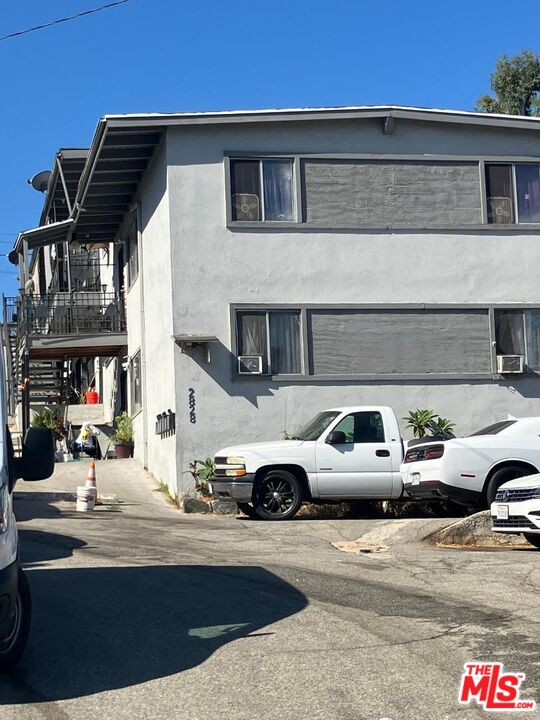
517, 508
470, 470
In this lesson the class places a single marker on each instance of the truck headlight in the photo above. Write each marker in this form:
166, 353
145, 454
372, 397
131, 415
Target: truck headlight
4, 509
537, 493
238, 466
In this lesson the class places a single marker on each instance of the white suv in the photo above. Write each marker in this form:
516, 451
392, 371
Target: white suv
516, 508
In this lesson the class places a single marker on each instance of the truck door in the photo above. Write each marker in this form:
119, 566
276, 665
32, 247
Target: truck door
361, 467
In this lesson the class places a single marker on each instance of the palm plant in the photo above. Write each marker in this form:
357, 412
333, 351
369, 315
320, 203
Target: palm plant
442, 427
419, 421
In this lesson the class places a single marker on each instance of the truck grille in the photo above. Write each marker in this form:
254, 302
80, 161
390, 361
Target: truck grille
516, 521
515, 494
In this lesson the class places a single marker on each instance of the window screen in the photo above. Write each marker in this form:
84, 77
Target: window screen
500, 196
135, 383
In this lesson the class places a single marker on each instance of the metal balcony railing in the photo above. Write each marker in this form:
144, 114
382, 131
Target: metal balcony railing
67, 313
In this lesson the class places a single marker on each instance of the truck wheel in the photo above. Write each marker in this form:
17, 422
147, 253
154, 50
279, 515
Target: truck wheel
510, 472
12, 647
533, 539
279, 496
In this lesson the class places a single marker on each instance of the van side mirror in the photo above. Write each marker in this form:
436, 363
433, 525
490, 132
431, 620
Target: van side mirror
37, 461
336, 437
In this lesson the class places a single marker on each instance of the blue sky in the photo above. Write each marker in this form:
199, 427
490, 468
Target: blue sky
170, 55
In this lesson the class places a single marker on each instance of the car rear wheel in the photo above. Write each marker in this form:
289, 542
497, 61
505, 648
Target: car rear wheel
12, 646
510, 472
278, 496
533, 539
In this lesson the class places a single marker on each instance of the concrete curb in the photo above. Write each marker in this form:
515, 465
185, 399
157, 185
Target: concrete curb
475, 531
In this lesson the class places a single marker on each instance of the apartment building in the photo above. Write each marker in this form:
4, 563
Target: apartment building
224, 276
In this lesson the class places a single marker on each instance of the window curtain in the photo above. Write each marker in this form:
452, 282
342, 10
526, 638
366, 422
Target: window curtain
252, 334
532, 324
285, 343
528, 193
278, 190
509, 332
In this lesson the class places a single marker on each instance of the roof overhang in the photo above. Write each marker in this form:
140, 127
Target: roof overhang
44, 235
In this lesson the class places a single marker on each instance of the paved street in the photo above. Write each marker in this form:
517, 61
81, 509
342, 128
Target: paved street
142, 612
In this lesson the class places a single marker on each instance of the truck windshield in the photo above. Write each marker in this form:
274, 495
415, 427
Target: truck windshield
494, 429
314, 429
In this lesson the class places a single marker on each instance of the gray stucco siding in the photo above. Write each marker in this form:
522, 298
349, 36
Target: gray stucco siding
349, 193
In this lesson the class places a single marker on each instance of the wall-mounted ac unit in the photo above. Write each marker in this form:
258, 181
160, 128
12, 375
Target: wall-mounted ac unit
250, 365
500, 210
246, 207
510, 364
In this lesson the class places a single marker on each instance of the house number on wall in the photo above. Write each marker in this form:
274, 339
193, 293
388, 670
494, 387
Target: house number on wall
192, 415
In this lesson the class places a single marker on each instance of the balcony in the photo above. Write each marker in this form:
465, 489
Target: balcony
78, 324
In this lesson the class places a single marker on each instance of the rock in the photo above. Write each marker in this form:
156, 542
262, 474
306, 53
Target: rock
192, 505
224, 507
475, 530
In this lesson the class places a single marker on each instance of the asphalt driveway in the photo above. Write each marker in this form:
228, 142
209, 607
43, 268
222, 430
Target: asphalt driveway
142, 612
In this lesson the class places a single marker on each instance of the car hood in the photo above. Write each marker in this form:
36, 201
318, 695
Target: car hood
529, 481
264, 448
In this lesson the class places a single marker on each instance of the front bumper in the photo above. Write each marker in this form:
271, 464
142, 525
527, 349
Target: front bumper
9, 578
522, 517
239, 490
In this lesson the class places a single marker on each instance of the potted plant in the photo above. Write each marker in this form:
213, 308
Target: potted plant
123, 435
51, 418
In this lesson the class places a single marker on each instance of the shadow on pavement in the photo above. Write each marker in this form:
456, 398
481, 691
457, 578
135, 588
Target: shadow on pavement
97, 629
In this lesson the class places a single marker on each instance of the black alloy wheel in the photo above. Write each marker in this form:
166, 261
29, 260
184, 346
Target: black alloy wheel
278, 496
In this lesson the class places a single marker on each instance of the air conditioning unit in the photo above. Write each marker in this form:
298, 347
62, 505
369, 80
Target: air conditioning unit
250, 365
246, 207
500, 210
510, 364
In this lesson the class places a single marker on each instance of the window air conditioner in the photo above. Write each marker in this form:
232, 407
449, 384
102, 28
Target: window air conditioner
246, 206
510, 364
250, 365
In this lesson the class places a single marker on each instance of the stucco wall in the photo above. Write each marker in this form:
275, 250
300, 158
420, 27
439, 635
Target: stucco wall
155, 274
214, 266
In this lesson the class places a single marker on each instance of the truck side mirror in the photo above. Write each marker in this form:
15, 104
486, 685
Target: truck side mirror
37, 461
336, 437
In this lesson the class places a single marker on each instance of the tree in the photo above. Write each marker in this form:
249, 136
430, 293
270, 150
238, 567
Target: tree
515, 84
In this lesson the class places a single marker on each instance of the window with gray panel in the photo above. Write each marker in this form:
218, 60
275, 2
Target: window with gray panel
399, 342
382, 193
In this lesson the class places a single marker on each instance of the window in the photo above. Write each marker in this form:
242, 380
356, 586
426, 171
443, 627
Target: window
362, 427
132, 251
275, 335
135, 383
513, 193
262, 190
517, 332
315, 427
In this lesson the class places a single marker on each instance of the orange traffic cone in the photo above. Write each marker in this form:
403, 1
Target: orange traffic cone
91, 479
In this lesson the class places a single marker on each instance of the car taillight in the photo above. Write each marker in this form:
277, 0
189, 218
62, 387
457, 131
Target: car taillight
411, 456
434, 452
424, 452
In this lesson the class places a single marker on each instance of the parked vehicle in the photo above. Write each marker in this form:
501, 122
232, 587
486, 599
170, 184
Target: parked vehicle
36, 463
470, 470
347, 453
516, 508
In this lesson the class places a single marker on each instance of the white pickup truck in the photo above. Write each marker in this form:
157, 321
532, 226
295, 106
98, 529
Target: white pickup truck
346, 453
